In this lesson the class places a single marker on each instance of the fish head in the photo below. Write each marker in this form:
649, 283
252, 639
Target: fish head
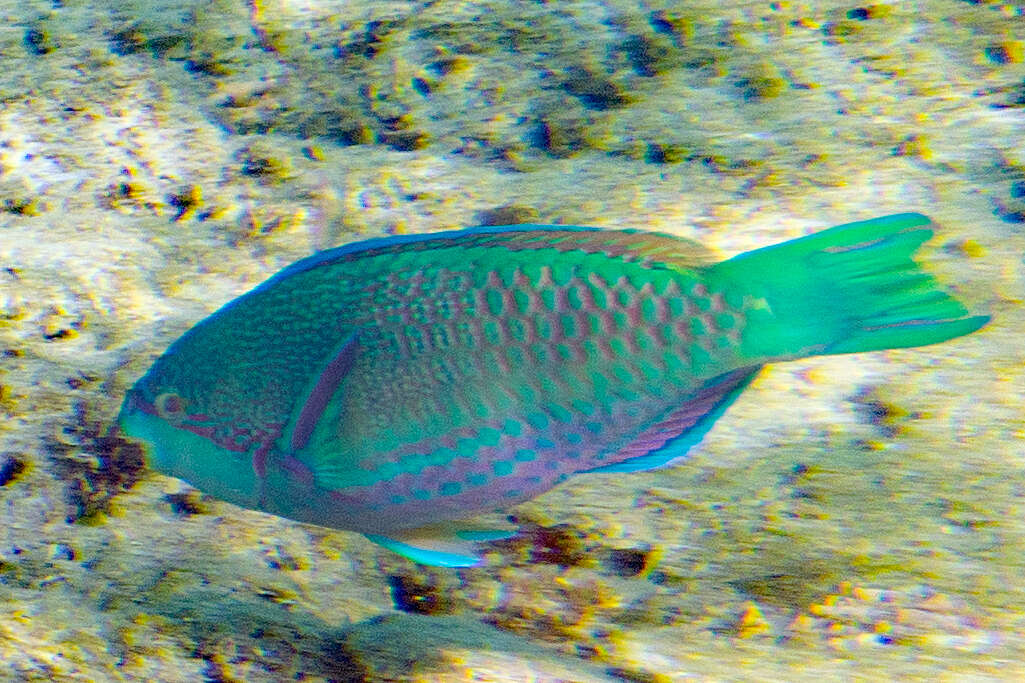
197, 421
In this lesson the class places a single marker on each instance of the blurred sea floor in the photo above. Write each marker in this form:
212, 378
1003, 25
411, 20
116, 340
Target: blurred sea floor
856, 517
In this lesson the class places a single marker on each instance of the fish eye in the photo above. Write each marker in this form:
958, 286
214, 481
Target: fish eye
170, 406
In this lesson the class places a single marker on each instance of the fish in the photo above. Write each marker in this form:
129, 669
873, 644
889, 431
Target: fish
398, 386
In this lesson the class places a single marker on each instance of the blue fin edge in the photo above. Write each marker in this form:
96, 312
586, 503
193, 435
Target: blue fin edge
433, 558
678, 447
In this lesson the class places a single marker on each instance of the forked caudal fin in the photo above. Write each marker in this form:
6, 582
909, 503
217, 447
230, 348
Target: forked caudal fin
850, 288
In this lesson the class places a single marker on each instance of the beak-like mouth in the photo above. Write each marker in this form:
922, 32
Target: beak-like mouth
185, 451
134, 405
128, 407
132, 408
133, 402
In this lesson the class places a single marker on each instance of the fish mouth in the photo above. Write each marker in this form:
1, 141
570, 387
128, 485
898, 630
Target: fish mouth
135, 403
130, 407
139, 422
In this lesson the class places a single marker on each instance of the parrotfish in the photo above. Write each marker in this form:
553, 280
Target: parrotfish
395, 386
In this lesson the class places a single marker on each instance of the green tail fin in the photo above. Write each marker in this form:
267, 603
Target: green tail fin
850, 288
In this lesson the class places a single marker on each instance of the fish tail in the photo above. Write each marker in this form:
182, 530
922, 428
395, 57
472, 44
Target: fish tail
850, 288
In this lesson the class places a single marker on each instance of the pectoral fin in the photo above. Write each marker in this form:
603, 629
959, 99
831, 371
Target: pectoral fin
320, 391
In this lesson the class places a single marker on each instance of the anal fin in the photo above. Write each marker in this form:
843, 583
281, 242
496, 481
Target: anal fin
682, 429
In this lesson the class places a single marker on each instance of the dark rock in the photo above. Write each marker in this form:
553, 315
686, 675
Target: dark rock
509, 214
11, 467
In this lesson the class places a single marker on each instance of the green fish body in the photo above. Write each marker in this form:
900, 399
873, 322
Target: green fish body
393, 386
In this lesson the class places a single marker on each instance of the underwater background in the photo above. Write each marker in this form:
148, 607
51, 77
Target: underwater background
853, 517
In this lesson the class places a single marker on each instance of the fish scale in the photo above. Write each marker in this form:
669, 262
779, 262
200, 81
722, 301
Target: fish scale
625, 389
381, 395
394, 386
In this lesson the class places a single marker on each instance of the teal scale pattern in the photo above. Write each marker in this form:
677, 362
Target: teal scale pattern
480, 387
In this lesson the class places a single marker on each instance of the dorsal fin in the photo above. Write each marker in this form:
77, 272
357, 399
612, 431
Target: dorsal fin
631, 244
